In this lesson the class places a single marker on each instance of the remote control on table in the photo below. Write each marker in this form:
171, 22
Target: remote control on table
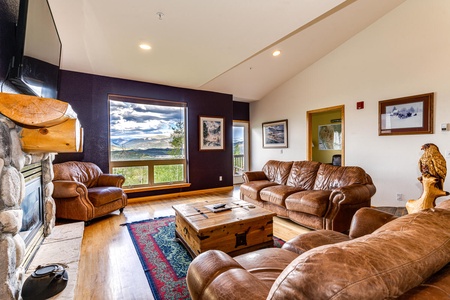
219, 206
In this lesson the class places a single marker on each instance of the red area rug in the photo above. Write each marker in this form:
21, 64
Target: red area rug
164, 260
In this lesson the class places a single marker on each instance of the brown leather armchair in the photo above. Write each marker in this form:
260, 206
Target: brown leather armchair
384, 257
83, 192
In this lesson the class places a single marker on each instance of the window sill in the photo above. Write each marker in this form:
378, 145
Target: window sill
156, 188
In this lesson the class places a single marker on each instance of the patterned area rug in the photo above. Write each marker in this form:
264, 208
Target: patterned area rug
165, 261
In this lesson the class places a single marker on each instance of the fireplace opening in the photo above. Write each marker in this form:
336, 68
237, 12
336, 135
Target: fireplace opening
32, 230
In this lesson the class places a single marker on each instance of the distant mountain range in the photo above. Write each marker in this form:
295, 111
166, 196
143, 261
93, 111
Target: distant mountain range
138, 154
142, 149
144, 143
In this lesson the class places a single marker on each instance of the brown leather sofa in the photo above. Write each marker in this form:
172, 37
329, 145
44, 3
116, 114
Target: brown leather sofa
406, 258
312, 194
83, 192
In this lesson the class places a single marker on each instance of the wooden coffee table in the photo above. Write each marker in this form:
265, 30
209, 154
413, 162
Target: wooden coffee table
243, 228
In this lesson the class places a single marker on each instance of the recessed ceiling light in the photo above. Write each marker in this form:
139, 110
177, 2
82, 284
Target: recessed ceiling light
145, 46
276, 53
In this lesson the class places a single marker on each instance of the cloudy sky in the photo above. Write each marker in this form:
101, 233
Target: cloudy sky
130, 121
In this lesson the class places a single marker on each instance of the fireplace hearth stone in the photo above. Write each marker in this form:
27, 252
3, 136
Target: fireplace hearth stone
62, 247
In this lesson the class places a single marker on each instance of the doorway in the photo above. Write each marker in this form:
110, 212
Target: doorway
240, 150
326, 141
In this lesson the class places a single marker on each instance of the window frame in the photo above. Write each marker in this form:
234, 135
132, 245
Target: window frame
153, 162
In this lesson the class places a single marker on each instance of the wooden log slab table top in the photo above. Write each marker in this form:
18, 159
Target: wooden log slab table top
241, 229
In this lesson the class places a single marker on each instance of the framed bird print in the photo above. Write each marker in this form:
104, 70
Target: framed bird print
407, 115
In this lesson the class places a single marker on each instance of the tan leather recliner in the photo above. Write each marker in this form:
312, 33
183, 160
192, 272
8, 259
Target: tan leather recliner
82, 192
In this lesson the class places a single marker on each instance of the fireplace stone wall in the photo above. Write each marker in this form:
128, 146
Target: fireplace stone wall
12, 191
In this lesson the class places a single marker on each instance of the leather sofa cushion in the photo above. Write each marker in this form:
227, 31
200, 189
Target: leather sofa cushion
84, 172
303, 174
398, 256
252, 189
277, 194
214, 275
310, 202
102, 195
331, 177
277, 171
266, 264
435, 288
313, 239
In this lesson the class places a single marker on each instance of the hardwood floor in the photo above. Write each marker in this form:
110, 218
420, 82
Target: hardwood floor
109, 267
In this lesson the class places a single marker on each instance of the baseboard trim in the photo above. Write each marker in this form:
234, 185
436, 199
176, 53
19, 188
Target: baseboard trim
180, 194
156, 188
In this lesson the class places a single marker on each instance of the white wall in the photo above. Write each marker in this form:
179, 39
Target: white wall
407, 52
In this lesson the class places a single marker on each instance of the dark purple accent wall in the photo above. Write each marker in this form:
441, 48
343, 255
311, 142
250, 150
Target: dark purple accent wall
241, 111
88, 96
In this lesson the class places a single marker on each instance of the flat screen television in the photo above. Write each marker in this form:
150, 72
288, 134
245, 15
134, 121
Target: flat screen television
35, 66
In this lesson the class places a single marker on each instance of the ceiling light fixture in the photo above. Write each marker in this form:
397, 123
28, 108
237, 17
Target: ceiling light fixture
145, 46
276, 53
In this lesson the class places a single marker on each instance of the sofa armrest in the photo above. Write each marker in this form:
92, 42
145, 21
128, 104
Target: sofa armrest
215, 275
351, 194
344, 202
254, 175
68, 189
116, 180
314, 239
366, 220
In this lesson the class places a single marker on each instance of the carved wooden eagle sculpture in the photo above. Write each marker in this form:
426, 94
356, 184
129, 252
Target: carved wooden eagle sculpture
433, 163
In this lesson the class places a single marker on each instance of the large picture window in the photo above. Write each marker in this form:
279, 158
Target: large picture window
147, 141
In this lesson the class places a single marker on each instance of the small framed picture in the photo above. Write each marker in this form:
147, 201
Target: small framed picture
330, 137
407, 115
275, 134
212, 133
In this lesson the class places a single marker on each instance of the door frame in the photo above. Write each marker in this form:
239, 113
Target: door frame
309, 115
246, 125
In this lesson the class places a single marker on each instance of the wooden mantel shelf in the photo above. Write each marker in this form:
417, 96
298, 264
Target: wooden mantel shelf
48, 125
35, 111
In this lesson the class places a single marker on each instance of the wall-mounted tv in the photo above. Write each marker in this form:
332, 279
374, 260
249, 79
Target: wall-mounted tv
35, 66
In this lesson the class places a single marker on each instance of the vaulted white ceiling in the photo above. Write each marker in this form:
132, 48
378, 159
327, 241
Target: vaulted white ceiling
217, 45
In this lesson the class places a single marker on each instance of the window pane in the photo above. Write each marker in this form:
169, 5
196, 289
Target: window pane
146, 131
169, 173
134, 175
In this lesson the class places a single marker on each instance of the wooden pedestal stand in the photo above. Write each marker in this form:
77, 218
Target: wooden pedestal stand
429, 195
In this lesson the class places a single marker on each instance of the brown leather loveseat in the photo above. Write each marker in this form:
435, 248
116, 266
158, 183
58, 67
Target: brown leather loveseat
312, 194
406, 258
83, 192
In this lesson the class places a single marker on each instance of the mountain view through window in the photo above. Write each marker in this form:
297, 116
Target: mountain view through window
147, 142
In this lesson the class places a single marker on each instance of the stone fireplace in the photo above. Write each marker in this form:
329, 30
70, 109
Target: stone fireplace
26, 173
33, 207
13, 252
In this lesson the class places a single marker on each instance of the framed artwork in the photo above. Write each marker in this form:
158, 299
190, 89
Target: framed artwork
275, 134
330, 137
212, 133
407, 115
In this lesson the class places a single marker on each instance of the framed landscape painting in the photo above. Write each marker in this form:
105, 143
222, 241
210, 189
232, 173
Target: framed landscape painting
275, 134
407, 115
212, 133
